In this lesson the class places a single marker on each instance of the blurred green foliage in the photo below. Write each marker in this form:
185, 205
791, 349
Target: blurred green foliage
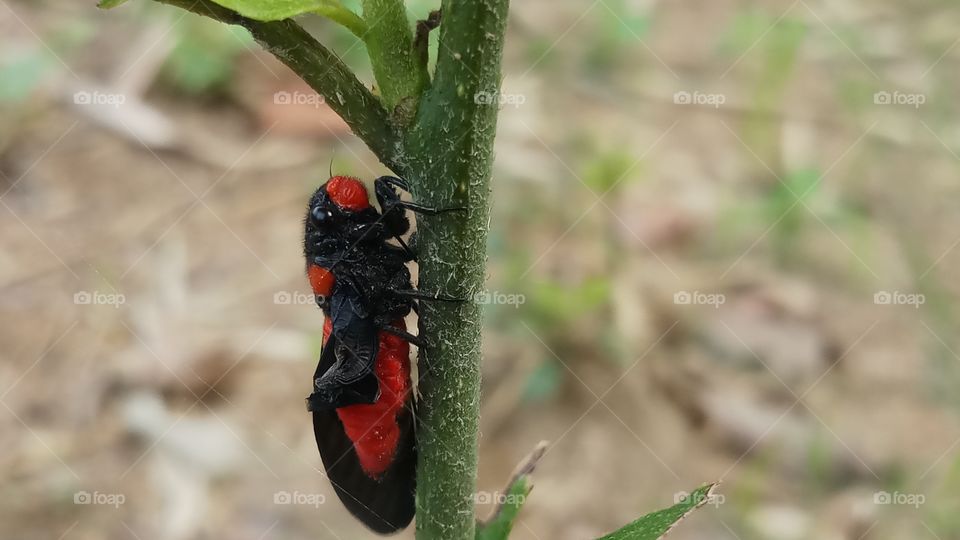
202, 60
942, 507
778, 43
621, 26
21, 74
544, 382
608, 170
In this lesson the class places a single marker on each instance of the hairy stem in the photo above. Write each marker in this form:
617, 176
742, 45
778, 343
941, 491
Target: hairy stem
439, 136
390, 45
450, 148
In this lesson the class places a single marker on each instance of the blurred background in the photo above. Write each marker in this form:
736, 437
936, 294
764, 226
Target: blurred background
721, 249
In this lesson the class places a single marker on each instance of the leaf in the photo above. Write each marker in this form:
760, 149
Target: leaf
276, 10
498, 526
109, 4
656, 525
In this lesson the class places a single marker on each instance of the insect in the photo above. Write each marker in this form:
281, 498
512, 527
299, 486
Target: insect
362, 400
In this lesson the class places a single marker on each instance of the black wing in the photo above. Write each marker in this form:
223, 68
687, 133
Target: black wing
354, 328
386, 504
345, 375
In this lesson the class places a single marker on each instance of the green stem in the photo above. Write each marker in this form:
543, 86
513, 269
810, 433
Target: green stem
323, 71
390, 46
443, 146
336, 12
450, 147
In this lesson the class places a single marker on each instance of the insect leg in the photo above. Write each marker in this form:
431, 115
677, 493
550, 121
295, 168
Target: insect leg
420, 295
389, 199
426, 210
404, 335
394, 181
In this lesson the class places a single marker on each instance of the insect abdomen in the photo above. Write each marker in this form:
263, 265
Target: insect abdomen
373, 428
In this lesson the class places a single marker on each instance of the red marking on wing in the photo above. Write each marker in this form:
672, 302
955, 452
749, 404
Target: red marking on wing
321, 280
373, 428
348, 193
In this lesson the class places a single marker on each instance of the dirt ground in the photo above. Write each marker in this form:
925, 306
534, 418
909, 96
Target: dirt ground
721, 249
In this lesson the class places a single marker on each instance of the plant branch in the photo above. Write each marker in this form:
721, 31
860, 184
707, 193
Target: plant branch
450, 153
335, 11
390, 45
323, 71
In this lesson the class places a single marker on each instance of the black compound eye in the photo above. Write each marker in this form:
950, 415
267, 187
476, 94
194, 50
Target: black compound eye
320, 215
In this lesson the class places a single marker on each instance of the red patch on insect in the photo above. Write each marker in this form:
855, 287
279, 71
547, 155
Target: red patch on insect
321, 280
348, 193
373, 428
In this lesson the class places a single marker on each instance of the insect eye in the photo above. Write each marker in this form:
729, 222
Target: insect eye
320, 215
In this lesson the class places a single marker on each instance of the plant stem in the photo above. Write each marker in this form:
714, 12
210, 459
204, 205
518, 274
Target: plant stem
323, 71
336, 12
390, 45
445, 151
450, 152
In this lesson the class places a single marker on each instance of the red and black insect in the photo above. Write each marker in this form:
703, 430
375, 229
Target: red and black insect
362, 400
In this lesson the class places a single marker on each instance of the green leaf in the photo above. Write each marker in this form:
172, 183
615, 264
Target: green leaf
390, 45
498, 528
109, 4
656, 525
501, 522
276, 10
